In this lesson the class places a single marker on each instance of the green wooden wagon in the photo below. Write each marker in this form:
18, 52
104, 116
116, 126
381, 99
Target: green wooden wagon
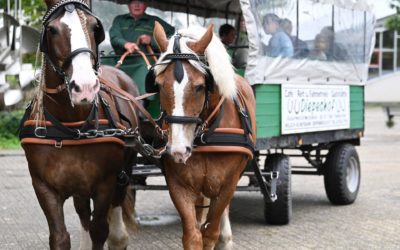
310, 102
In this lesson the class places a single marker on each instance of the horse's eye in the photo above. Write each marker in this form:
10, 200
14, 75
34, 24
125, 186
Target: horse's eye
95, 27
52, 30
199, 88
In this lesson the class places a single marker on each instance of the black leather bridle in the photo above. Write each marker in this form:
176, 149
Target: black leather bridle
178, 57
54, 12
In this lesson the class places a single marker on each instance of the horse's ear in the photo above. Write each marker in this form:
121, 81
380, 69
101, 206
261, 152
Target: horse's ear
50, 3
160, 37
200, 46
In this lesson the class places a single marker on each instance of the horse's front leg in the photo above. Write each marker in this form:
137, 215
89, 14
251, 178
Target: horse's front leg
211, 229
184, 201
82, 208
118, 238
225, 237
52, 206
98, 228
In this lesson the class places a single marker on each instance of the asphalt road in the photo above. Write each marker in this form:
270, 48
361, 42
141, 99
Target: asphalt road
372, 222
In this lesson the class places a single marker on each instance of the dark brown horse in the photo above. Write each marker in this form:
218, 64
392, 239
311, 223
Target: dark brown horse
72, 134
209, 113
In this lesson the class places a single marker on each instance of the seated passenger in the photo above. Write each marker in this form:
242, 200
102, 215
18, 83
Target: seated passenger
280, 43
320, 47
239, 57
227, 34
299, 46
334, 51
135, 27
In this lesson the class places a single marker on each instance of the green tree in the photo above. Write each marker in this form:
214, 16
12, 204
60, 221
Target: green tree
33, 10
393, 22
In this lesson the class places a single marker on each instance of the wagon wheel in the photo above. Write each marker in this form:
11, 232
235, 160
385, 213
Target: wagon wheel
342, 174
280, 211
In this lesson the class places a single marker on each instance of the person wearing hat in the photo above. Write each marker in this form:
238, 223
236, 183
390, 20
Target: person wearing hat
134, 30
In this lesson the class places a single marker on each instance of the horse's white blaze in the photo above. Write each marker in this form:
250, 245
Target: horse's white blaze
82, 66
118, 237
182, 136
225, 237
86, 242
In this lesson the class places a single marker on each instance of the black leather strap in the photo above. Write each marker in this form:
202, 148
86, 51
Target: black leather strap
182, 119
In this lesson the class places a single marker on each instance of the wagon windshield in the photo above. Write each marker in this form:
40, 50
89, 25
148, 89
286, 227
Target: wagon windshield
308, 41
108, 10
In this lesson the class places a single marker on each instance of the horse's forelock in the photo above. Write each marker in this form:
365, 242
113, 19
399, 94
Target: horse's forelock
184, 49
219, 62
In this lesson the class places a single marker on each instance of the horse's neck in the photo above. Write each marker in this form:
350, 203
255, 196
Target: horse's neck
59, 105
213, 100
230, 116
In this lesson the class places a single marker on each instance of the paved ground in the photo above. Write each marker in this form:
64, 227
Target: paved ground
372, 222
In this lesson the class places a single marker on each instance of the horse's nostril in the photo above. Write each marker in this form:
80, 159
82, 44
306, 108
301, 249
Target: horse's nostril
75, 87
188, 150
84, 100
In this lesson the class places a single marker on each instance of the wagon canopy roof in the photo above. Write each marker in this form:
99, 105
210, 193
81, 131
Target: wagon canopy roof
203, 8
220, 8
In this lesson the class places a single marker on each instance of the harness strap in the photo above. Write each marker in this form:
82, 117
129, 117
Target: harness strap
244, 113
49, 131
74, 133
224, 149
59, 144
150, 50
55, 90
93, 116
214, 112
107, 111
109, 87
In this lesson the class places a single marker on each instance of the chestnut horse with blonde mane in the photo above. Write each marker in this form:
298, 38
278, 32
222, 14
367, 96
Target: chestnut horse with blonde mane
72, 132
209, 113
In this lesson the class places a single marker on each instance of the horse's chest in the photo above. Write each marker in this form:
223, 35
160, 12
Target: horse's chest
201, 176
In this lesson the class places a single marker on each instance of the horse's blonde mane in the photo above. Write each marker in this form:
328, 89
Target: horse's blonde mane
219, 61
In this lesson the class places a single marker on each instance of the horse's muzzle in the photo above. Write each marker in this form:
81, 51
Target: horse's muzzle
85, 93
180, 154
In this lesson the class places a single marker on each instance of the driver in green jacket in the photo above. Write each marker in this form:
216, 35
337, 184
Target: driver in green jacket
135, 29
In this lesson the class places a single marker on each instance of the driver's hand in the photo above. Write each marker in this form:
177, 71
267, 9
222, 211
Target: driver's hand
144, 39
131, 47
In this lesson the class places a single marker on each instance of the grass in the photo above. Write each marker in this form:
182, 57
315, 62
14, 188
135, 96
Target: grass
9, 123
9, 143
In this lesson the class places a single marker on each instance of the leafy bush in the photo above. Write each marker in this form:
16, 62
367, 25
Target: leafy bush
33, 10
393, 23
9, 123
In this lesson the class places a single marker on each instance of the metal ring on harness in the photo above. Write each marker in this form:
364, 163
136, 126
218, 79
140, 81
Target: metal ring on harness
38, 132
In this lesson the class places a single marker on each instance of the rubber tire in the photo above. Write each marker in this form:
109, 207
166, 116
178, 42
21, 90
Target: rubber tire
280, 211
340, 159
